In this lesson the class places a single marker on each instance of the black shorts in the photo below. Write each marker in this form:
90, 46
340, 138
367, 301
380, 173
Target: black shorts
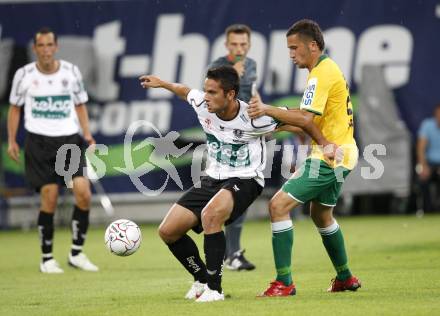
40, 156
244, 192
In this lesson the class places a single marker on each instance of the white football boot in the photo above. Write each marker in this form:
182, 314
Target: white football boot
81, 261
195, 291
50, 266
210, 296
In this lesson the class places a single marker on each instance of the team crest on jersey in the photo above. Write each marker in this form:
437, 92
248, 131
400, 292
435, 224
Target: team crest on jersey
309, 93
208, 122
65, 83
238, 133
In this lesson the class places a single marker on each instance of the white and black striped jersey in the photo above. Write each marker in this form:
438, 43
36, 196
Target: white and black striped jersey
236, 148
49, 99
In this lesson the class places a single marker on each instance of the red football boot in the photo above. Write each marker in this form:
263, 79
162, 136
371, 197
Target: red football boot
277, 288
351, 284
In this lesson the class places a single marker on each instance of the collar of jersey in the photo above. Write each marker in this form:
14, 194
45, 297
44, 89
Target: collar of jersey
238, 112
321, 58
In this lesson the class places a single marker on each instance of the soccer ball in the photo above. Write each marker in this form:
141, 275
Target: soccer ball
123, 237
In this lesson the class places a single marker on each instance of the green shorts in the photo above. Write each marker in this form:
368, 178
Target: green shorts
316, 181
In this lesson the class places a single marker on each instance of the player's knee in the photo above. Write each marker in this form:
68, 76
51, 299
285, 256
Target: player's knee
213, 215
49, 198
49, 204
277, 208
166, 234
83, 198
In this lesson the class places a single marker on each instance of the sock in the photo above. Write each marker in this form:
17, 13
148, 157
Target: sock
80, 224
333, 241
45, 230
185, 250
282, 243
233, 234
215, 246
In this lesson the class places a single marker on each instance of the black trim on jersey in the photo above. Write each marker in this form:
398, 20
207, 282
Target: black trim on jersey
192, 101
263, 126
262, 150
238, 112
262, 154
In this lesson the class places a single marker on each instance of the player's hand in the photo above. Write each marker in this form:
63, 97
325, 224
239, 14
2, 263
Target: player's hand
239, 67
14, 151
148, 81
90, 141
256, 107
424, 172
333, 153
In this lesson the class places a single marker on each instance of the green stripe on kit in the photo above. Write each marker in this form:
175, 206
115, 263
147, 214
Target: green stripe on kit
341, 268
283, 271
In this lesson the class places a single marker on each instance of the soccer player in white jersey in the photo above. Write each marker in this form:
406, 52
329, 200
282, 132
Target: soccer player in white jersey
52, 94
236, 159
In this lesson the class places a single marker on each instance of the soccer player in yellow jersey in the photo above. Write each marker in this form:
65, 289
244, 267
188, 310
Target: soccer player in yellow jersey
326, 115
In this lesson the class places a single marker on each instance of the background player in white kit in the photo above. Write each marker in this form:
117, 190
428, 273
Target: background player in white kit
236, 159
53, 96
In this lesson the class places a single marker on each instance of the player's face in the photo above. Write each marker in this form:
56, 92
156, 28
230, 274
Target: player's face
299, 51
215, 97
238, 45
45, 48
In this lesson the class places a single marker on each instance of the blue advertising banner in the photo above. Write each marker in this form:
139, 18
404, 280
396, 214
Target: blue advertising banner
114, 42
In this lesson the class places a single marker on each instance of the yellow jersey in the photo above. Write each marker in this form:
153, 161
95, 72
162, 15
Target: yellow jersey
327, 96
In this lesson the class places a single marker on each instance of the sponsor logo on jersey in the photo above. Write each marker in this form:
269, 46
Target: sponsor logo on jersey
309, 93
51, 107
208, 123
233, 155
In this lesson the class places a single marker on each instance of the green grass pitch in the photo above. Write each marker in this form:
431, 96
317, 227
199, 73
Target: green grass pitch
397, 259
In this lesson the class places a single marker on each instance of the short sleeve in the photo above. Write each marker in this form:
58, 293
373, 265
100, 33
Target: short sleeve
17, 95
424, 130
196, 98
79, 93
315, 95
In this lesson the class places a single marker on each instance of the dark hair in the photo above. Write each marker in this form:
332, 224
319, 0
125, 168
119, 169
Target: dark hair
310, 29
44, 30
227, 76
238, 29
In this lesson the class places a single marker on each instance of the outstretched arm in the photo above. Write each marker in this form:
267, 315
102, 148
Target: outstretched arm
155, 82
294, 117
291, 129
